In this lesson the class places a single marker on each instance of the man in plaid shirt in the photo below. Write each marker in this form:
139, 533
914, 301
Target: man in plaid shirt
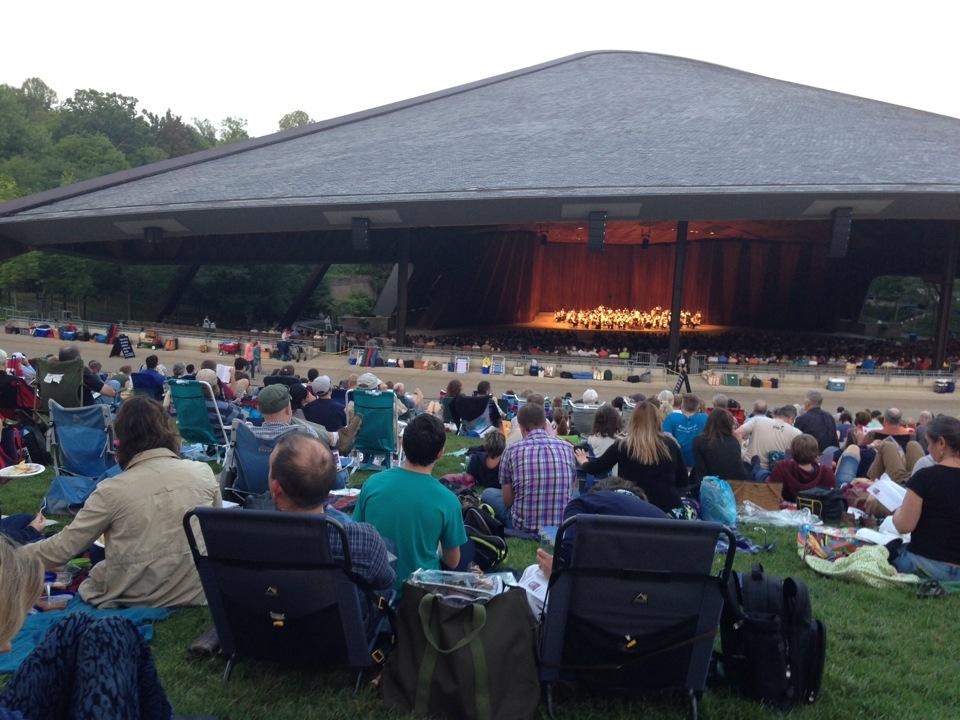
537, 476
302, 471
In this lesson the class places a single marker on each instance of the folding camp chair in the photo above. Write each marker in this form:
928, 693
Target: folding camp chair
198, 420
276, 592
80, 441
581, 421
377, 439
247, 465
61, 381
633, 604
147, 385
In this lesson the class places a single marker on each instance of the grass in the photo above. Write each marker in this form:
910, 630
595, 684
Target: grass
890, 655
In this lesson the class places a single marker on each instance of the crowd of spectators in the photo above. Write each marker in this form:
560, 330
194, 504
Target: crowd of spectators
732, 347
660, 449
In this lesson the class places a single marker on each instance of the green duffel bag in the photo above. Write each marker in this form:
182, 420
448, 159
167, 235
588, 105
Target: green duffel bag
475, 662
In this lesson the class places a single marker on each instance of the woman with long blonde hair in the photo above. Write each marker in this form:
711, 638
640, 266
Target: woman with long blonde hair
645, 456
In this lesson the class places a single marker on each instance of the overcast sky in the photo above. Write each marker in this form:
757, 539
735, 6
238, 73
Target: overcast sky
260, 60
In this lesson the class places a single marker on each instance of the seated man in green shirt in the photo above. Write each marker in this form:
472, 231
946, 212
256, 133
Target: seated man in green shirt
409, 507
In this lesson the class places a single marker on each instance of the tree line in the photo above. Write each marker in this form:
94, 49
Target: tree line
47, 143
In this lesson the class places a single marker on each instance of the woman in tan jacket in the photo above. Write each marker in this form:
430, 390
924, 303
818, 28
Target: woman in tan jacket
140, 515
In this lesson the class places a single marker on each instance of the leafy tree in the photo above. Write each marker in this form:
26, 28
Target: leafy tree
357, 303
297, 118
8, 188
206, 130
233, 129
91, 112
38, 96
14, 122
87, 156
175, 137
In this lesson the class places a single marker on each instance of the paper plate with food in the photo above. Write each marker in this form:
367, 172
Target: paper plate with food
23, 469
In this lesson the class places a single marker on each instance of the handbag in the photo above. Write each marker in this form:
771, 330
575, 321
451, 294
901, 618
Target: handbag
827, 504
475, 661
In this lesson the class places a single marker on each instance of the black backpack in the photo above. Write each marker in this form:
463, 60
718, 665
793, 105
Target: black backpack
773, 650
486, 532
825, 503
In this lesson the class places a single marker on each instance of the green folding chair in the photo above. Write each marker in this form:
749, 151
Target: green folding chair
60, 381
377, 437
197, 420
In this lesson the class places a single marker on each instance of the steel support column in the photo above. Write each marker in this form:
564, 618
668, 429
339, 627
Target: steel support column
680, 263
180, 283
303, 297
945, 308
403, 279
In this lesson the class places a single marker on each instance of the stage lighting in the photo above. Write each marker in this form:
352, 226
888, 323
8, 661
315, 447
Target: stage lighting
360, 233
598, 230
840, 239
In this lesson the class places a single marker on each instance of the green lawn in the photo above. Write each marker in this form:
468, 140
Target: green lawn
890, 655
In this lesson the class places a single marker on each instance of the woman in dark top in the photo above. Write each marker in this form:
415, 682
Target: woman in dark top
484, 466
716, 451
931, 509
802, 471
646, 457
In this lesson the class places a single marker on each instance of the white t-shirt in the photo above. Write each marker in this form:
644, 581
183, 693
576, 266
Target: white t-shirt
765, 435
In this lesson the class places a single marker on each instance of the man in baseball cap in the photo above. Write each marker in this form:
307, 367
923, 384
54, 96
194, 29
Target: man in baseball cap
325, 410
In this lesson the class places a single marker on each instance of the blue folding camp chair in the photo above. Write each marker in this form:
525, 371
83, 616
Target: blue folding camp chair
277, 592
247, 466
81, 443
147, 385
633, 604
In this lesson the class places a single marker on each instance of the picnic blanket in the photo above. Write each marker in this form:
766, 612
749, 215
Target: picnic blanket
36, 626
868, 565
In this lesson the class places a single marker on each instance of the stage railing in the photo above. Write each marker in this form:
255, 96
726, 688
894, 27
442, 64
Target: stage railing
646, 361
782, 370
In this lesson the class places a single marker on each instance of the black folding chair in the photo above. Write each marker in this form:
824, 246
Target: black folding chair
276, 592
633, 604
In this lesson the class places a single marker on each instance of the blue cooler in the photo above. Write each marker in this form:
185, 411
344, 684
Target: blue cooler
837, 384
944, 386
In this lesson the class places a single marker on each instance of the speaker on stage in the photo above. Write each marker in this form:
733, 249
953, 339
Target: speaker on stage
597, 231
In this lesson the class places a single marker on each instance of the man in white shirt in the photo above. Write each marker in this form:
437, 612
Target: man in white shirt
765, 435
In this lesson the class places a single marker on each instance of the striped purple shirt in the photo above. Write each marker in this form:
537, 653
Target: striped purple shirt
542, 473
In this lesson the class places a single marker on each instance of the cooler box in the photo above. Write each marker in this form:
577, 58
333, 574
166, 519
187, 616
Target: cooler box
731, 379
67, 335
837, 384
944, 386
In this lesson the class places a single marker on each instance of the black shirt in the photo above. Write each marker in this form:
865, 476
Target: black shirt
937, 535
478, 470
722, 459
661, 482
92, 383
328, 413
821, 425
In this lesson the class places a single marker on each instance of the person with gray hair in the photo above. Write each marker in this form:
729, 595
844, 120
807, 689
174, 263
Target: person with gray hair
923, 419
179, 369
817, 422
759, 408
721, 402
